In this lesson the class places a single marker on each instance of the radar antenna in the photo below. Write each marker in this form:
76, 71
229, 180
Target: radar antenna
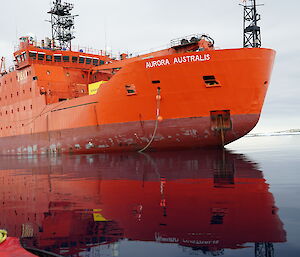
62, 22
252, 37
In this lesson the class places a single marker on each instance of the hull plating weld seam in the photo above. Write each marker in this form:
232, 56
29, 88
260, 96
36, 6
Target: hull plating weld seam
70, 107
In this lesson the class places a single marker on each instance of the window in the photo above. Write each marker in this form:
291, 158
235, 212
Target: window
23, 57
41, 56
81, 59
130, 89
66, 58
155, 81
57, 58
95, 62
88, 60
49, 58
102, 62
74, 59
32, 55
210, 80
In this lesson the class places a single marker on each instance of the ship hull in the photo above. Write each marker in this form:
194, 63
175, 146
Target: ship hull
182, 133
177, 101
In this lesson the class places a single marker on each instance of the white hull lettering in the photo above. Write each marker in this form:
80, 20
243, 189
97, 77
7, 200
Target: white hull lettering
179, 60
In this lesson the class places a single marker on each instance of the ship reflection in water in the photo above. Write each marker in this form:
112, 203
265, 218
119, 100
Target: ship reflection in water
186, 202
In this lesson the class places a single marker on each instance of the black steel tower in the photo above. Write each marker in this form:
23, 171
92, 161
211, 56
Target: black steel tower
62, 22
252, 37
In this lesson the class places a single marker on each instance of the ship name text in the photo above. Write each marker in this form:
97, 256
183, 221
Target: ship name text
179, 60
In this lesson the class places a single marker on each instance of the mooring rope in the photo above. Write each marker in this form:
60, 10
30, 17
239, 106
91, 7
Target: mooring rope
158, 99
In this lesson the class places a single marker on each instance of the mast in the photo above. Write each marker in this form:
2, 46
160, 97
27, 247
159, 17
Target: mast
62, 22
252, 37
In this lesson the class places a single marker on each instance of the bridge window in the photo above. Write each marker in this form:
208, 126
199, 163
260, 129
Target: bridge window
88, 60
95, 62
23, 57
66, 58
57, 58
74, 59
81, 59
32, 55
41, 56
49, 58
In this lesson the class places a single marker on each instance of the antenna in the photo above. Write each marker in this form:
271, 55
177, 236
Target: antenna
252, 37
62, 22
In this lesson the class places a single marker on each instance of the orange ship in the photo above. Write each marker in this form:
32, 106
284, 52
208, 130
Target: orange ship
56, 100
206, 201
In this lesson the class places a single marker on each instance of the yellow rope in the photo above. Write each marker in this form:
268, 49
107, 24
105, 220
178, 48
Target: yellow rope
3, 235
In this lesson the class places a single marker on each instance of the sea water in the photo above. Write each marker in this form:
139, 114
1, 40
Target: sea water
243, 201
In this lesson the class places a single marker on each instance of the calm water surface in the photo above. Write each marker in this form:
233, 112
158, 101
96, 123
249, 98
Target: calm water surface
244, 201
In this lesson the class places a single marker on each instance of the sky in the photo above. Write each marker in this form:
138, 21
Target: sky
137, 26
